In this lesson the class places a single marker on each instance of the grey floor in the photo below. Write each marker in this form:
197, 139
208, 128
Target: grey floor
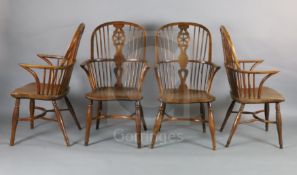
181, 148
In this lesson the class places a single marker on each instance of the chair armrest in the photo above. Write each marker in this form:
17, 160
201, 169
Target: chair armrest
251, 82
142, 75
48, 58
49, 77
251, 63
213, 70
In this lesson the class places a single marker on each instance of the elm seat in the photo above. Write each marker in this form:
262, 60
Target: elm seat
268, 95
30, 90
112, 93
189, 96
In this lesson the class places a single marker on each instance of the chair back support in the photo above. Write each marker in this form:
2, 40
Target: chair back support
70, 56
230, 57
183, 57
117, 56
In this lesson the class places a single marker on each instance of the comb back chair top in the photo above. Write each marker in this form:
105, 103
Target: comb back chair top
51, 84
116, 71
184, 71
247, 87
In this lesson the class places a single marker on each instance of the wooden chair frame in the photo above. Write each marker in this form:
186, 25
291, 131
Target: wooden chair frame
245, 89
51, 84
201, 73
99, 66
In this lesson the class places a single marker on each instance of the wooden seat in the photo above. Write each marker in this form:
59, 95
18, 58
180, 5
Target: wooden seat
116, 71
51, 84
112, 93
247, 87
184, 72
174, 96
30, 90
268, 95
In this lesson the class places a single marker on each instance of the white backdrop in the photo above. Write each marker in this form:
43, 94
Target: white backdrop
260, 29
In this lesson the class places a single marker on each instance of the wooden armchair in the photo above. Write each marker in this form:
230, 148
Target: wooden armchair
184, 71
247, 87
116, 71
51, 84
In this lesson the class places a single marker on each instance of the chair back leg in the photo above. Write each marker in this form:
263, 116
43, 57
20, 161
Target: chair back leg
61, 122
70, 107
32, 110
229, 112
235, 124
266, 111
138, 123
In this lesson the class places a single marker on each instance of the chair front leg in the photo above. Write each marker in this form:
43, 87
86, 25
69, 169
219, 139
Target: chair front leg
70, 107
88, 122
266, 111
142, 118
158, 122
98, 115
211, 126
229, 111
15, 118
235, 124
202, 112
61, 122
138, 123
279, 124
31, 111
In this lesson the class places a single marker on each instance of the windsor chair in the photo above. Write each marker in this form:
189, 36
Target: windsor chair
116, 71
51, 84
247, 87
184, 72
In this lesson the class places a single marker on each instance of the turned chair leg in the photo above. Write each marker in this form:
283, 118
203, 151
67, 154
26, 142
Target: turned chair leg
279, 124
88, 122
98, 115
211, 126
61, 122
32, 110
229, 111
70, 107
235, 124
202, 112
266, 111
138, 123
15, 118
142, 117
158, 122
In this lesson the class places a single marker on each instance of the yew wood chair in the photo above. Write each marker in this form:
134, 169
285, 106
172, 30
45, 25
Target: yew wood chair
184, 72
116, 71
51, 84
247, 87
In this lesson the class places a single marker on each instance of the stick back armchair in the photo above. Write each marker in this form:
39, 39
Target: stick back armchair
247, 87
116, 71
51, 84
184, 72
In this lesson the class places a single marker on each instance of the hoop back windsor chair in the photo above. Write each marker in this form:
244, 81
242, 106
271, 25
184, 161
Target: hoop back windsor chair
247, 87
116, 71
51, 84
184, 71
